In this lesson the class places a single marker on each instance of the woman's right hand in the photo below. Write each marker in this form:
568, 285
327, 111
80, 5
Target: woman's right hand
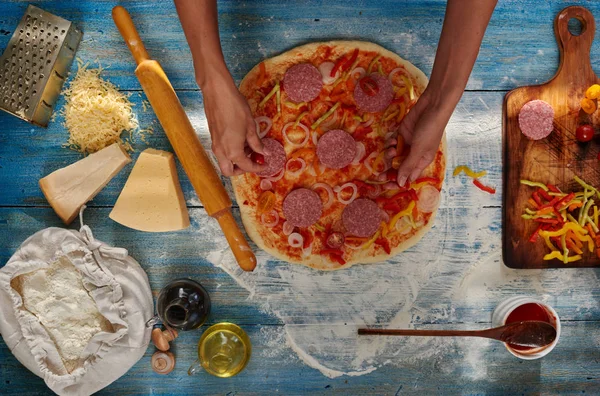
232, 127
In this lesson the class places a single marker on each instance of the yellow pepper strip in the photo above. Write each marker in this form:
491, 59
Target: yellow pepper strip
401, 214
400, 91
549, 243
296, 106
352, 67
590, 242
568, 226
278, 96
319, 227
371, 241
325, 116
468, 172
411, 88
270, 95
373, 62
357, 118
596, 215
300, 117
401, 112
563, 242
557, 255
534, 184
529, 211
417, 186
392, 115
384, 229
553, 194
380, 69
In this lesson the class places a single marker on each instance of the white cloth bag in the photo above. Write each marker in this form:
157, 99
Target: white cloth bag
117, 284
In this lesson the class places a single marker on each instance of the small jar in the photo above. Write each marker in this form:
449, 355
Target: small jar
505, 308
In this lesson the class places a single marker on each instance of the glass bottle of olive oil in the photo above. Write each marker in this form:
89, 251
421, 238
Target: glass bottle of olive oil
224, 350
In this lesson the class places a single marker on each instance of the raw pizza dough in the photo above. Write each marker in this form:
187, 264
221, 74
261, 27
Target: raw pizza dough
258, 83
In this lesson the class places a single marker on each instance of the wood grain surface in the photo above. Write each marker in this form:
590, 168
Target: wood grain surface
557, 158
519, 49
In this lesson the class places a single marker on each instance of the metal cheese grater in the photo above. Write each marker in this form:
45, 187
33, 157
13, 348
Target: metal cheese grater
35, 64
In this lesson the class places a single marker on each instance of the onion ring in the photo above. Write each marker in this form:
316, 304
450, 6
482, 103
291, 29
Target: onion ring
325, 69
277, 177
296, 172
391, 75
287, 139
288, 228
295, 240
339, 189
368, 122
270, 224
329, 190
315, 138
266, 120
266, 184
360, 153
360, 70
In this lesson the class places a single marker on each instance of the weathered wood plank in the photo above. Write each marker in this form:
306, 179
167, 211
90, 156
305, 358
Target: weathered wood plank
28, 153
274, 369
519, 47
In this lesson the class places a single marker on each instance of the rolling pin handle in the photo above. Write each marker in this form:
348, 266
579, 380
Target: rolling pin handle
239, 246
130, 34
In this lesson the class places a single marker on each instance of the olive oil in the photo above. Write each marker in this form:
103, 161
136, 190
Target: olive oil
224, 350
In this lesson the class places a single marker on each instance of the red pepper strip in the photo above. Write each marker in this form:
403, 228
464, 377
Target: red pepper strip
547, 221
361, 132
413, 195
392, 207
534, 237
397, 196
566, 199
338, 259
350, 61
432, 180
553, 188
336, 252
544, 194
551, 203
384, 243
536, 198
337, 66
559, 216
490, 190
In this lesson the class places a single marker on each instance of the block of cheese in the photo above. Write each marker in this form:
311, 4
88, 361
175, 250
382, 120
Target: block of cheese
68, 189
152, 200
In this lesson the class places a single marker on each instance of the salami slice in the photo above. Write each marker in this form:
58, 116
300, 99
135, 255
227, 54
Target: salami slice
378, 99
302, 82
536, 119
302, 207
362, 218
336, 149
275, 158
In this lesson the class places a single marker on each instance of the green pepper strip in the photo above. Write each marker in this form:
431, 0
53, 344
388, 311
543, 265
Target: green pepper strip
325, 116
563, 242
585, 211
584, 184
534, 184
270, 95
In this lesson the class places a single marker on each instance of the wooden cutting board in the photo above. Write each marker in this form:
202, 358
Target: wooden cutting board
557, 158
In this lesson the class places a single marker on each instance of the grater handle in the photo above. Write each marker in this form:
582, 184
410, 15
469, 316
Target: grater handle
130, 34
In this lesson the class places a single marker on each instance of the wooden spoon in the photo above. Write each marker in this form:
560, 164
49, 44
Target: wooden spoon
528, 333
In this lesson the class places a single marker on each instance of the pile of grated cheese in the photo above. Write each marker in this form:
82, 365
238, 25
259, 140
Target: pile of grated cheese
96, 113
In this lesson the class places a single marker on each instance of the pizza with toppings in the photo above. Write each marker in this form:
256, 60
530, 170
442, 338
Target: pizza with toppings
328, 115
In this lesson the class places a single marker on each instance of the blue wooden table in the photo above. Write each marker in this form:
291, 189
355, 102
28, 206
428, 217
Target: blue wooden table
302, 322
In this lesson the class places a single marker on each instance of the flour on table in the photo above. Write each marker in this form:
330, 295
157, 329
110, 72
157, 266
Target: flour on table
452, 279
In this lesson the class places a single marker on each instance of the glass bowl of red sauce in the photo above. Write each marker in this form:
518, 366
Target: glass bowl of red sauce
518, 309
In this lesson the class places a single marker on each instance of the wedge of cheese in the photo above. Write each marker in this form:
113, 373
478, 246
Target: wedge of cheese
69, 188
152, 199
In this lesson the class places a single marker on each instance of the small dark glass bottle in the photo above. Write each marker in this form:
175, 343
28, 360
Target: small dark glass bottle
183, 304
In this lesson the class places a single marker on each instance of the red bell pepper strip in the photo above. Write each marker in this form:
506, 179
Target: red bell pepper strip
350, 61
491, 190
553, 188
336, 252
337, 66
384, 243
343, 64
544, 194
534, 237
392, 206
361, 132
547, 221
413, 195
536, 198
565, 200
551, 203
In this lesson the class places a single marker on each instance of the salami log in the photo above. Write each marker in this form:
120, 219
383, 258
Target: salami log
361, 218
536, 119
302, 82
302, 207
336, 149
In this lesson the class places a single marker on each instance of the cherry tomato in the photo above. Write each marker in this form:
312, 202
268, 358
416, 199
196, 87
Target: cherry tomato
335, 240
584, 133
258, 158
369, 86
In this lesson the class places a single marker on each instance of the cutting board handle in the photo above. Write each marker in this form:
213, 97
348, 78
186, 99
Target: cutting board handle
575, 50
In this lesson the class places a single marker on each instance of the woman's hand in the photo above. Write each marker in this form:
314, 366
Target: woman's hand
231, 127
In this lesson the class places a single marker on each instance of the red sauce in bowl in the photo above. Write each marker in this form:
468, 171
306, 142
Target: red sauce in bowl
529, 311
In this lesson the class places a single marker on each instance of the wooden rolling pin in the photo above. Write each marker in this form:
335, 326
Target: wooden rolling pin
182, 136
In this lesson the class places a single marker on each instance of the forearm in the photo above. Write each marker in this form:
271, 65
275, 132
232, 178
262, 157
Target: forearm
464, 27
200, 25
